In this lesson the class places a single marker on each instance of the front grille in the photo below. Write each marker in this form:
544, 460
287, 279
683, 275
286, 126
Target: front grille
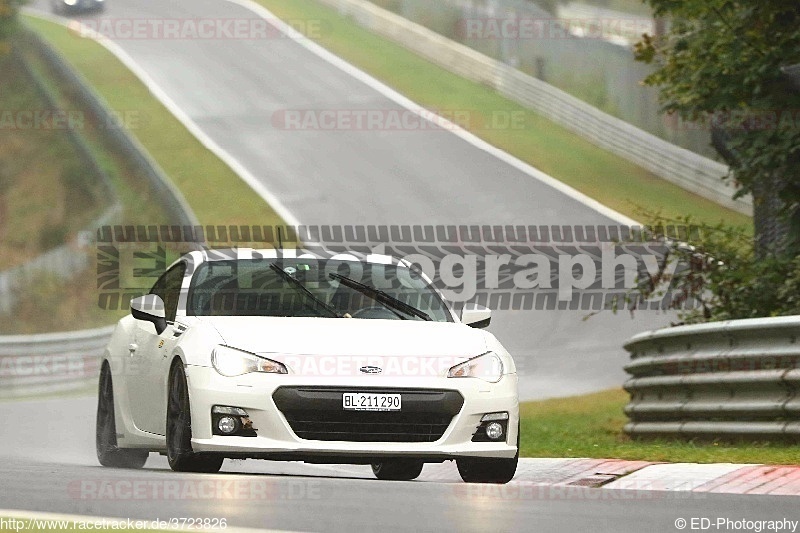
317, 414
361, 426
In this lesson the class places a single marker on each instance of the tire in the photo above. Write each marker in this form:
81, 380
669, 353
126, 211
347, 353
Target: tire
487, 469
108, 453
397, 469
180, 456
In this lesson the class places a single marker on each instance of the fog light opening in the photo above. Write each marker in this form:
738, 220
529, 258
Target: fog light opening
494, 430
228, 425
229, 421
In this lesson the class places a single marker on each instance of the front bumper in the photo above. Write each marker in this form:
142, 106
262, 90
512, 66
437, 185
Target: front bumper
276, 440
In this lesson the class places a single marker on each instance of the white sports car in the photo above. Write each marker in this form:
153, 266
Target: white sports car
270, 355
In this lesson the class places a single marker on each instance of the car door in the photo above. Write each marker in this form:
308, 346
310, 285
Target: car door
150, 353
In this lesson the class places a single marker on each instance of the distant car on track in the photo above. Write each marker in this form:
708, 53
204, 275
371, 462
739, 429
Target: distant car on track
265, 355
65, 7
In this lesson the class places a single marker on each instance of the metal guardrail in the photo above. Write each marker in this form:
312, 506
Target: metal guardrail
50, 363
682, 167
739, 378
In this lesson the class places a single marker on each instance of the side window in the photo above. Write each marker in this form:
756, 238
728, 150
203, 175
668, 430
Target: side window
168, 287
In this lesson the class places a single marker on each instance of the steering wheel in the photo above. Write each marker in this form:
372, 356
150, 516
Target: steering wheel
375, 312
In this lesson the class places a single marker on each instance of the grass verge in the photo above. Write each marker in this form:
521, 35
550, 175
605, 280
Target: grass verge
55, 305
567, 157
44, 195
591, 426
200, 175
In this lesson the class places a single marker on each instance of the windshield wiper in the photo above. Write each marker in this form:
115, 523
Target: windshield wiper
382, 297
304, 290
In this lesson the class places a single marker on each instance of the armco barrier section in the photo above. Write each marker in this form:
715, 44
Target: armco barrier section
739, 378
32, 365
682, 167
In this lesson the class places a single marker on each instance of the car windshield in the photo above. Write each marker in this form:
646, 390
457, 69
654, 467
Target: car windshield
312, 288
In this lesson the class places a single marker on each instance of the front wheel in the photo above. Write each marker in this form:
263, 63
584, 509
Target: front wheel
108, 453
487, 470
397, 469
180, 456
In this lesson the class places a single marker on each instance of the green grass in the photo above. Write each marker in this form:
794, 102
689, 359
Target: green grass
591, 426
136, 197
567, 157
215, 193
44, 197
53, 305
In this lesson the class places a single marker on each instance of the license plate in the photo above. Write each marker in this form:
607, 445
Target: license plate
358, 401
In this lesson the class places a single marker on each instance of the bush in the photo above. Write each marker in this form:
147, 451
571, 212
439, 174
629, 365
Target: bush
719, 271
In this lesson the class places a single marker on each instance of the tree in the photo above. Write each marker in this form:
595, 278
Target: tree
724, 62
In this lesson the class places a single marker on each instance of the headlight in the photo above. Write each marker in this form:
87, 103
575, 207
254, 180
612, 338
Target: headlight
488, 367
231, 362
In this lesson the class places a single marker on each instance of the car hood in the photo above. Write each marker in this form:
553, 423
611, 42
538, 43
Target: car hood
353, 337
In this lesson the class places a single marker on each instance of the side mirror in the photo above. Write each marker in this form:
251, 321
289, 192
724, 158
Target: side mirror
476, 316
150, 308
